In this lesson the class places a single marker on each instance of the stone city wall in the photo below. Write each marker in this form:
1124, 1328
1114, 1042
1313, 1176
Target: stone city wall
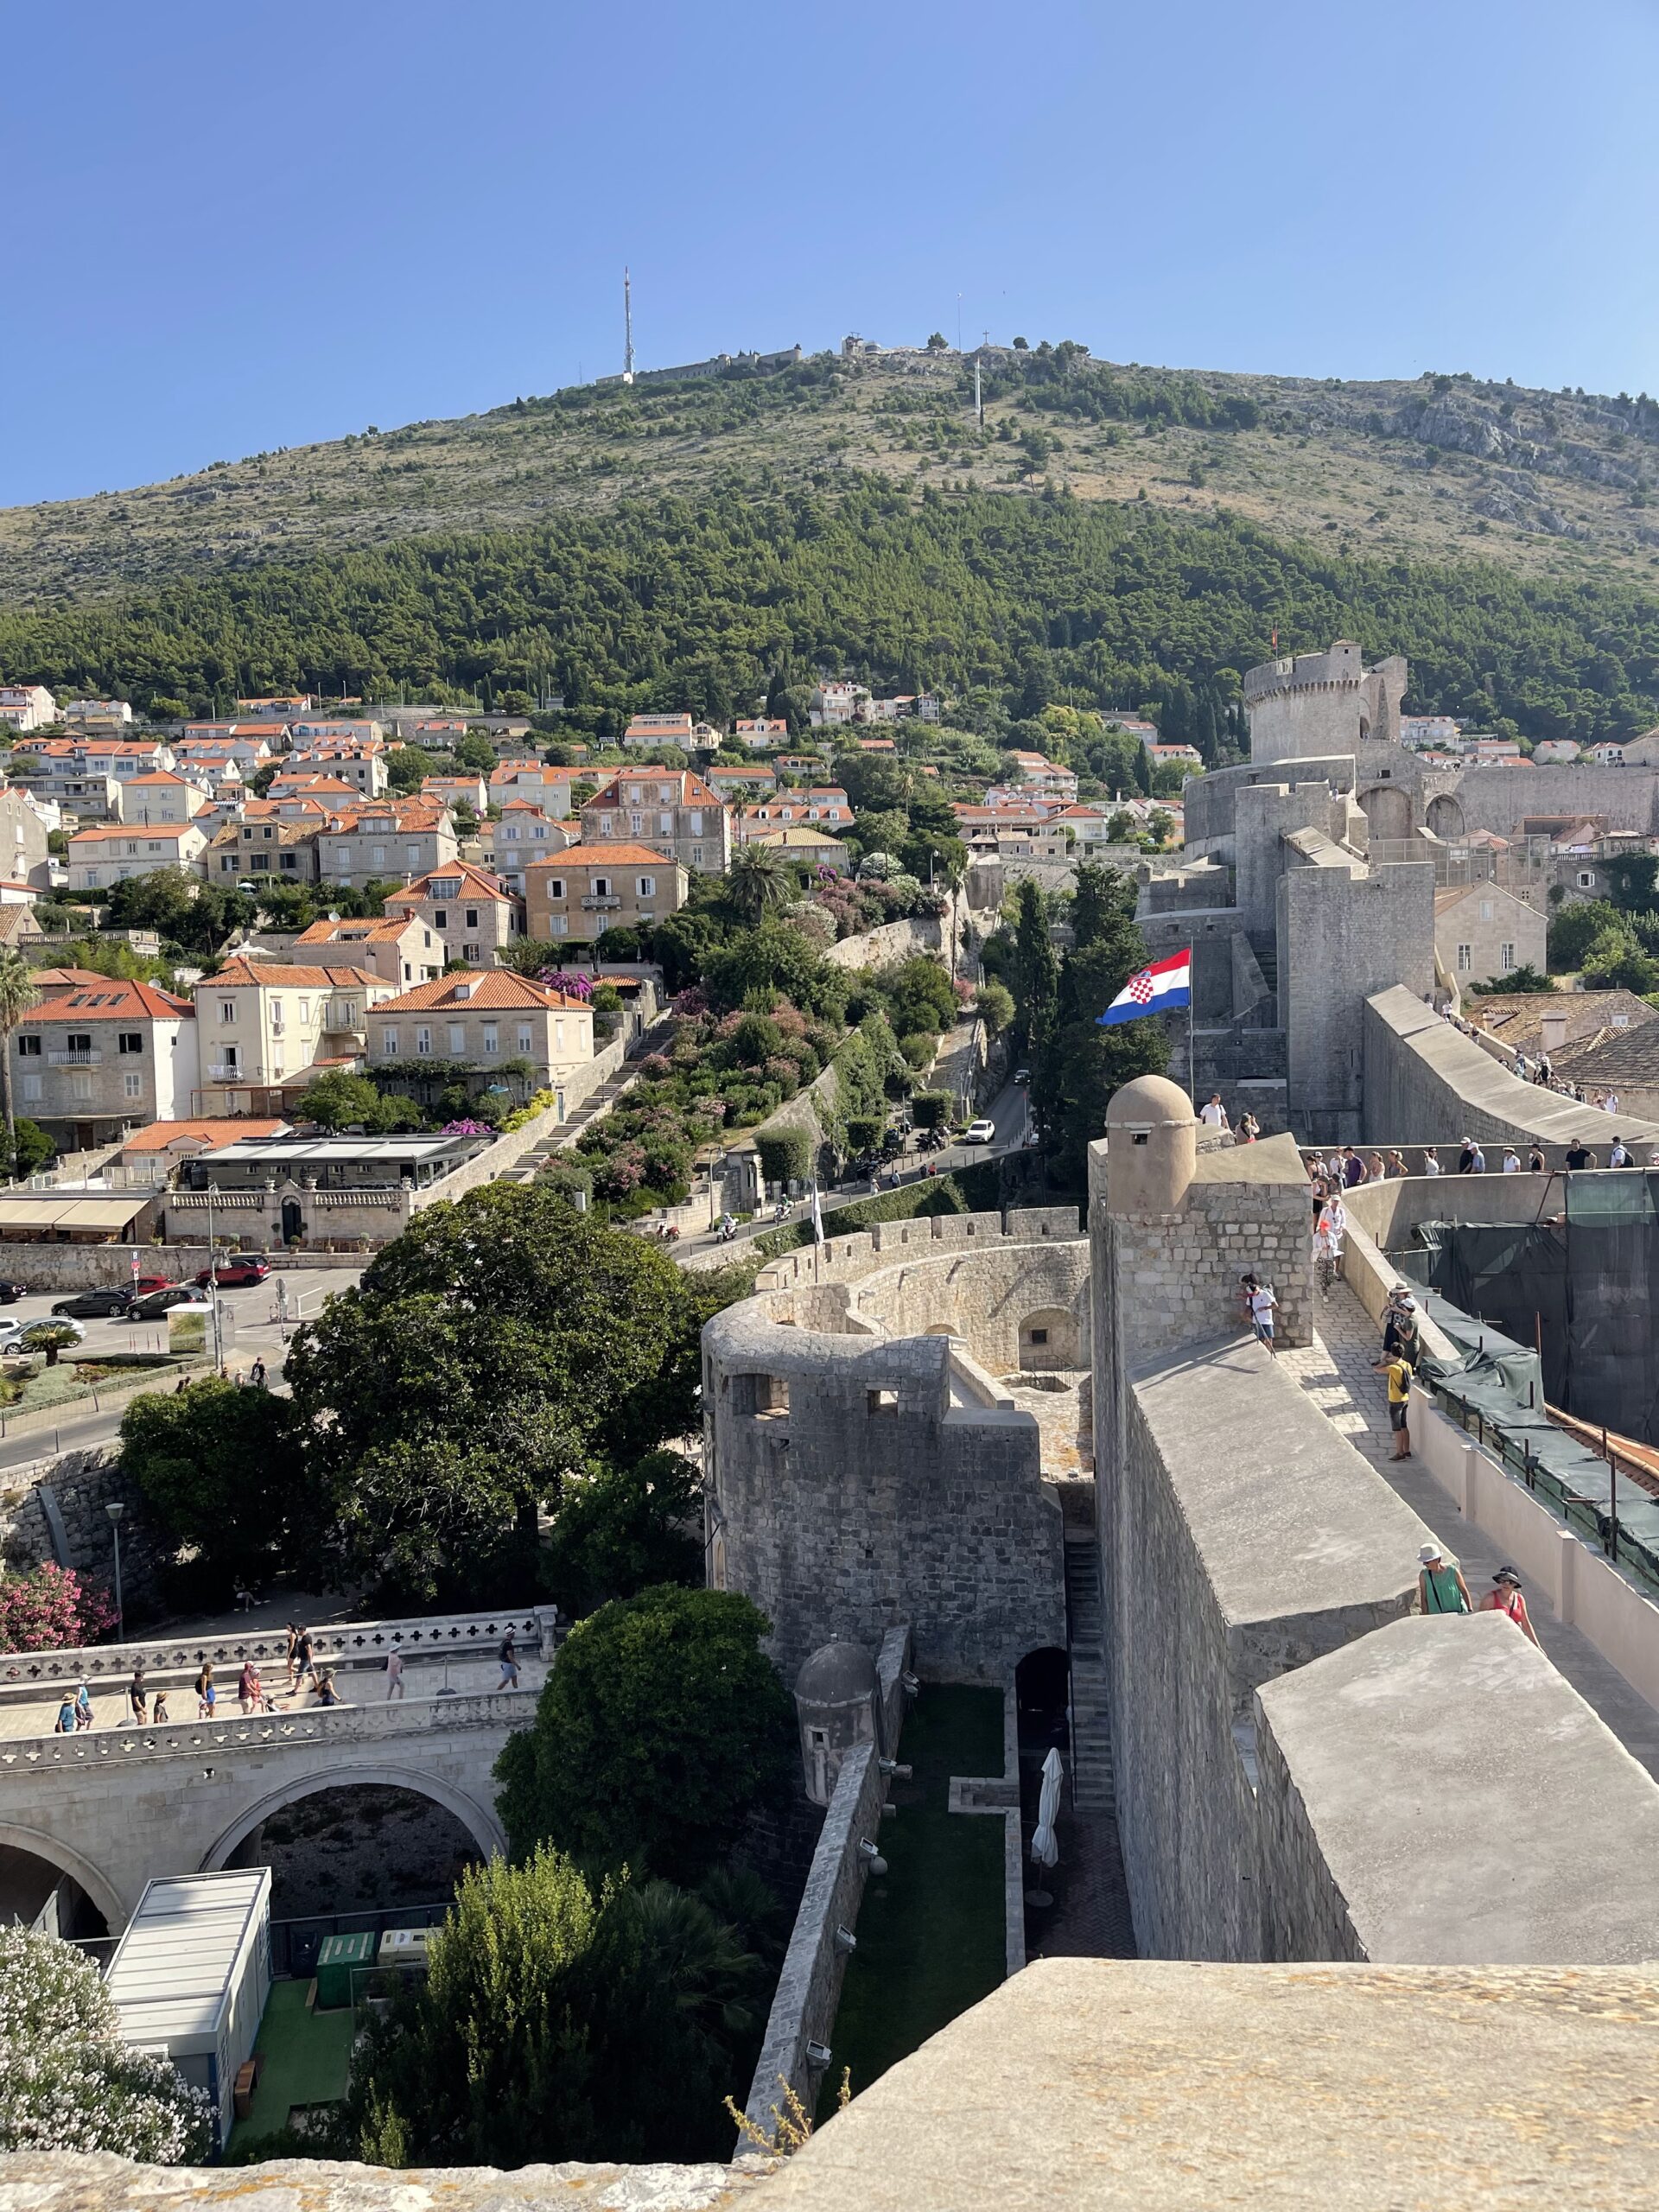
1241, 1536
990, 1298
53, 1510
1426, 1083
845, 1259
809, 1986
1343, 932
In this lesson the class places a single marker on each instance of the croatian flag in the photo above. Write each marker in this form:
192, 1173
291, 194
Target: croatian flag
1158, 990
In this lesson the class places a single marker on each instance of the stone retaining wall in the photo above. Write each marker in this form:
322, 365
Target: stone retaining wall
53, 1510
809, 1986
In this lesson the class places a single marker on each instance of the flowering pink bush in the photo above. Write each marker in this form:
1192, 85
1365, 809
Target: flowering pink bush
623, 1172
53, 1608
656, 1065
468, 1129
692, 1001
573, 986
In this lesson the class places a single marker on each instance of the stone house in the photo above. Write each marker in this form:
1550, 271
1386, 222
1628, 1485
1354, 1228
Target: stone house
468, 912
526, 832
96, 1057
671, 810
396, 841
1482, 933
114, 852
265, 841
596, 887
268, 1026
486, 1019
24, 833
805, 841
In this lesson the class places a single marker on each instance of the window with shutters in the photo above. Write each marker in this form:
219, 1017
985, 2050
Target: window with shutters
1465, 959
422, 1041
457, 1038
131, 1041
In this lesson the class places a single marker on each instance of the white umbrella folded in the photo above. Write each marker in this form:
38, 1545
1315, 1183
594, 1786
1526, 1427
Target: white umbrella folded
1044, 1850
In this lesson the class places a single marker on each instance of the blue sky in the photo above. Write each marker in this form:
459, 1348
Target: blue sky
224, 228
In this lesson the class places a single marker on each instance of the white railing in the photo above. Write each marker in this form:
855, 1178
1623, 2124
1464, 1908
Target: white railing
536, 1627
73, 1059
266, 1732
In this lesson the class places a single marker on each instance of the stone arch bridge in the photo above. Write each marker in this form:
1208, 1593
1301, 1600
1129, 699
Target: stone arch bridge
118, 1803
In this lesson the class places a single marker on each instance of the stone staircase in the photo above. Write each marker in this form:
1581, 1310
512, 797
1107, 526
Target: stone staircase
1091, 1731
591, 1108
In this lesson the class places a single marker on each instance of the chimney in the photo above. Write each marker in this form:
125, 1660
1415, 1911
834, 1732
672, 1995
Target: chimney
1553, 1026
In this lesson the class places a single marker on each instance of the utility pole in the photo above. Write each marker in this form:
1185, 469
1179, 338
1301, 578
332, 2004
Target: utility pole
627, 326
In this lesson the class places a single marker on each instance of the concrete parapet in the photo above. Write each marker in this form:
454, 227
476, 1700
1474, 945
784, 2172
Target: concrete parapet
1426, 1083
1381, 1765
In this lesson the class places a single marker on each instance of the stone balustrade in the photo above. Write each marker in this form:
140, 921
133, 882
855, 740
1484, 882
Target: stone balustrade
323, 1726
23, 1675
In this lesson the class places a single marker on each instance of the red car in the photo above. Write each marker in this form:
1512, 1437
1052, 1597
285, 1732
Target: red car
143, 1285
240, 1272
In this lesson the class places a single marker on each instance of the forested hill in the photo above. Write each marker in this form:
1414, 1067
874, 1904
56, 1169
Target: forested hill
1009, 602
1549, 484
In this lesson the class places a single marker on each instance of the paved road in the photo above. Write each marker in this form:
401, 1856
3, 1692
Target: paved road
255, 1334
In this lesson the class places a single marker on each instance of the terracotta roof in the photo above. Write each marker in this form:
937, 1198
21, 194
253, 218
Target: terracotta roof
692, 787
350, 930
278, 975
101, 832
156, 776
102, 998
159, 1135
599, 854
475, 883
497, 988
392, 820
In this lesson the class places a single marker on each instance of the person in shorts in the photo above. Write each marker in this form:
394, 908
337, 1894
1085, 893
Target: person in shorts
1259, 1303
1398, 1375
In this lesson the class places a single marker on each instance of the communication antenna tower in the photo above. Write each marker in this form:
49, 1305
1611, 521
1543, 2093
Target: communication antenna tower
627, 326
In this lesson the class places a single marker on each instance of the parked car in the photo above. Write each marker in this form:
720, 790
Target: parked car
11, 1292
241, 1270
15, 1335
93, 1304
155, 1304
1022, 1076
982, 1131
141, 1284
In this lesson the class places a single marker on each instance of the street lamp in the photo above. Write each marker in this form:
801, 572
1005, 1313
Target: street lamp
115, 1508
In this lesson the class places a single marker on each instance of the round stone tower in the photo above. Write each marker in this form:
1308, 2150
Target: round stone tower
835, 1696
1152, 1147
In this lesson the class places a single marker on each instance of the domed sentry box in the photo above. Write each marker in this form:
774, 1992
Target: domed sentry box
1152, 1147
836, 1699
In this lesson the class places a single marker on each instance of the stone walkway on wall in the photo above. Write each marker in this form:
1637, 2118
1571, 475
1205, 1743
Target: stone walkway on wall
1335, 1370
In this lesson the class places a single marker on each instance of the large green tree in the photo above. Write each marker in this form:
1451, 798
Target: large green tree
501, 1343
1085, 1063
662, 1727
218, 1466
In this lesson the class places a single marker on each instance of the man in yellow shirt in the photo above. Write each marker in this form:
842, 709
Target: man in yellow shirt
1399, 1380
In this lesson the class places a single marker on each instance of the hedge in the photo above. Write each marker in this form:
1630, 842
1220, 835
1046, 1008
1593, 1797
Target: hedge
785, 1156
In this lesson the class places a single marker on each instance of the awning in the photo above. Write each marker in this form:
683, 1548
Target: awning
44, 1211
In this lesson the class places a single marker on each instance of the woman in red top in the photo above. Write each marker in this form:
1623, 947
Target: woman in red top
1504, 1597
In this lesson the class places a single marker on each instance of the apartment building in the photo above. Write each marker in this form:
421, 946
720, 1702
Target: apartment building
486, 1020
108, 715
672, 809
756, 778
287, 708
473, 915
359, 762
391, 843
267, 1026
27, 706
24, 828
457, 791
538, 781
595, 887
763, 730
400, 949
113, 852
648, 730
95, 1056
1039, 773
828, 809
801, 842
161, 796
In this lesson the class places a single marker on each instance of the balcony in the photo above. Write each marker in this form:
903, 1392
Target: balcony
603, 905
89, 1059
228, 1072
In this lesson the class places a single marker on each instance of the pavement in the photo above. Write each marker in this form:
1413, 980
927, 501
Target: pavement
254, 1333
1335, 1372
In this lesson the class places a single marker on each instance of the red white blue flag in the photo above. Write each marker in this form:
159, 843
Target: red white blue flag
1160, 988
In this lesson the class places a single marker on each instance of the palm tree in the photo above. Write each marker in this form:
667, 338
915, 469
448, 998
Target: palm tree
18, 994
758, 880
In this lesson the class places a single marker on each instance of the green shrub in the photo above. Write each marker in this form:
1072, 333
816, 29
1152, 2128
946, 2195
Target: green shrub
929, 1109
864, 1132
919, 1048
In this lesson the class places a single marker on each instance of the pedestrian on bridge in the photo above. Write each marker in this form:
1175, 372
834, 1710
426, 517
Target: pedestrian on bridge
138, 1696
206, 1692
509, 1658
396, 1686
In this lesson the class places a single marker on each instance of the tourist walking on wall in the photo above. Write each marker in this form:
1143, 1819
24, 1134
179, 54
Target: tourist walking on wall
1471, 1160
302, 1663
509, 1658
1432, 1161
207, 1693
292, 1655
1353, 1168
1619, 1157
396, 1686
1400, 1339
160, 1705
1398, 1376
1248, 1127
1511, 1160
250, 1691
83, 1707
1579, 1156
1535, 1160
1214, 1114
65, 1723
1440, 1585
1504, 1597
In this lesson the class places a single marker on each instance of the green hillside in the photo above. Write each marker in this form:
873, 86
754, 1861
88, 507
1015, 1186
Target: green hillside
1008, 602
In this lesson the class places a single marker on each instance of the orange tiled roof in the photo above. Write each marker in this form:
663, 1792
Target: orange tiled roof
159, 1135
279, 975
490, 988
102, 998
485, 886
604, 855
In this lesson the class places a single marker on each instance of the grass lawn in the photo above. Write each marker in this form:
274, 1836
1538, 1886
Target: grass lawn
306, 2060
930, 1939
